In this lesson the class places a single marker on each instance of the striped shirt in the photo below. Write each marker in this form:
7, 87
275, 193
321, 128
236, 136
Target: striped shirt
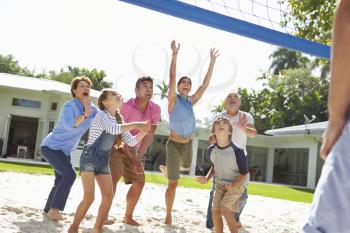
105, 122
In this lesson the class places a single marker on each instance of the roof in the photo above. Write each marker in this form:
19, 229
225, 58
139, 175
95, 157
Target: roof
313, 128
36, 84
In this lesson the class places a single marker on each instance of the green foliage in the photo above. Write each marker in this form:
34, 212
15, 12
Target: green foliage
289, 92
9, 65
286, 98
312, 19
283, 58
163, 90
218, 108
96, 76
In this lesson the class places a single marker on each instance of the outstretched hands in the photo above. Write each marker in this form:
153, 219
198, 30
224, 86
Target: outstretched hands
214, 53
174, 47
144, 126
242, 121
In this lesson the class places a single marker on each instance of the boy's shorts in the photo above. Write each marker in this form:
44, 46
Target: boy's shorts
119, 162
227, 198
177, 154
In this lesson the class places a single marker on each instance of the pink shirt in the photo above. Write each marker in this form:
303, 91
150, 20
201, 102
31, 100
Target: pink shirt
131, 112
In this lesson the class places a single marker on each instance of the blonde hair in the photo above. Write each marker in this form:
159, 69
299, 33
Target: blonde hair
119, 118
212, 130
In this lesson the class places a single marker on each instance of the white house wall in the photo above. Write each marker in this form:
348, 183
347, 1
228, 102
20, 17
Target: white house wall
44, 114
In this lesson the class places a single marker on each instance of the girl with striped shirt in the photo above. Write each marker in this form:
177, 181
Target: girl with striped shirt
107, 130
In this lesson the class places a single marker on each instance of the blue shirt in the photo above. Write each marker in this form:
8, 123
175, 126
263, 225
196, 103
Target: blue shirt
181, 119
65, 136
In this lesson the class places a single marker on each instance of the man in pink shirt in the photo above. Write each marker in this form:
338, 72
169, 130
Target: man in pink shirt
141, 108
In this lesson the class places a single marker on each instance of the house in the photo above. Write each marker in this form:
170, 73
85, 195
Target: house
30, 109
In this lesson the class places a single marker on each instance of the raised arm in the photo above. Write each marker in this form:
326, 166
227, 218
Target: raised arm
214, 53
339, 98
247, 128
172, 80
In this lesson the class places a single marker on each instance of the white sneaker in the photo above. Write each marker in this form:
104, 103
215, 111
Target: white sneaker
185, 169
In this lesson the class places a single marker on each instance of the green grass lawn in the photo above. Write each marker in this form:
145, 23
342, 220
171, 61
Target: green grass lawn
266, 190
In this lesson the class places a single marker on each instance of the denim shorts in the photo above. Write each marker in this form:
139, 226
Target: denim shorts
95, 163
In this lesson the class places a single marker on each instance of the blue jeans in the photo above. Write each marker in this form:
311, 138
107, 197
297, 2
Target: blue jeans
64, 178
242, 203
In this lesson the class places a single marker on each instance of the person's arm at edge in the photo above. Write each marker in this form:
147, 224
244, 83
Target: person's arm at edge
338, 98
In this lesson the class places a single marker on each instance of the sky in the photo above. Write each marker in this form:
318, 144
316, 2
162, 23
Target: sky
127, 41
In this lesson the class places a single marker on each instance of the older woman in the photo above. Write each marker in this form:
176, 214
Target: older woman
75, 118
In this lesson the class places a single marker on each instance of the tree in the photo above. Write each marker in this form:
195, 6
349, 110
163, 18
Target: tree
96, 76
283, 58
285, 99
163, 90
312, 19
9, 65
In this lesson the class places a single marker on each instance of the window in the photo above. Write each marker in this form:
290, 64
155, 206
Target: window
26, 103
53, 106
51, 126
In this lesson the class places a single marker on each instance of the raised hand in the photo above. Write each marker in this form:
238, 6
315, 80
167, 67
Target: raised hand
214, 53
242, 120
86, 102
174, 47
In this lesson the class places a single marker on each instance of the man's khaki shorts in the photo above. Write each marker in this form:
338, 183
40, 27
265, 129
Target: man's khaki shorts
227, 198
119, 162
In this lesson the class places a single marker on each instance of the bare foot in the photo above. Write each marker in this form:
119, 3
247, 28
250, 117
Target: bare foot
131, 222
54, 215
168, 220
108, 222
164, 170
72, 229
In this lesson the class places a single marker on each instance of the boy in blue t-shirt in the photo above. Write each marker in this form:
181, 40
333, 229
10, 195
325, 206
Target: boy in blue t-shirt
229, 165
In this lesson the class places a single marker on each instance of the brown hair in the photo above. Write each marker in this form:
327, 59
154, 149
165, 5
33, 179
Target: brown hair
76, 81
230, 129
119, 141
142, 80
182, 78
